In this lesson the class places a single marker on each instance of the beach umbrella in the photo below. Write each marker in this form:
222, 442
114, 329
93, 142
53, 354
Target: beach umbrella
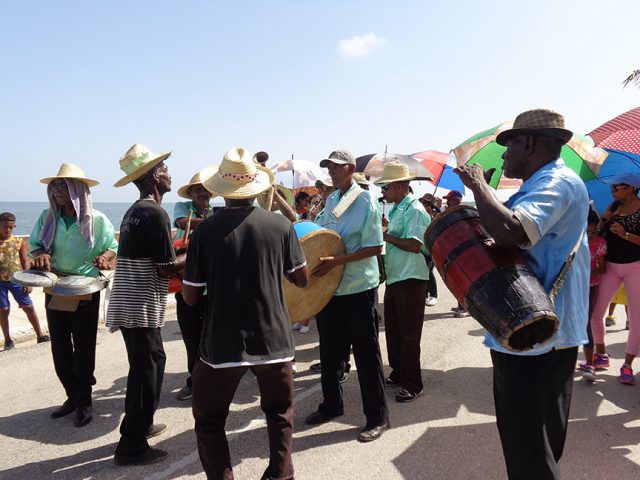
296, 173
617, 162
442, 166
579, 154
373, 164
621, 133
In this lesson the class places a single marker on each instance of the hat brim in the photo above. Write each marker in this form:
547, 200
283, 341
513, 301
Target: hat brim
286, 193
325, 163
87, 181
623, 179
142, 170
216, 185
560, 133
386, 181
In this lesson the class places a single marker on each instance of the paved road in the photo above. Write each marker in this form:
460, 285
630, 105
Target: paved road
449, 433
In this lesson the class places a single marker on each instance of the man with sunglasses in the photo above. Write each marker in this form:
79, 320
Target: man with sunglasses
546, 219
349, 319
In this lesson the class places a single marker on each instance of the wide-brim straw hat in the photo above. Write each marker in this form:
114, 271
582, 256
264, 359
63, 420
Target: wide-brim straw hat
537, 122
286, 193
196, 180
394, 172
69, 170
137, 161
238, 177
360, 179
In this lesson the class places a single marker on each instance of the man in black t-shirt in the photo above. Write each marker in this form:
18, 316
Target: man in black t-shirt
138, 301
240, 255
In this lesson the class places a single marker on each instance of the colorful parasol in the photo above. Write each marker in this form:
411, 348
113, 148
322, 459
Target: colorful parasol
621, 133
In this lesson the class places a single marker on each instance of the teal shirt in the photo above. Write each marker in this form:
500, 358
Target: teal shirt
360, 227
407, 219
70, 252
181, 210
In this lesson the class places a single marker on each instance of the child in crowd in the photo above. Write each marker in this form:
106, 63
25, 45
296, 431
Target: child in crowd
13, 257
598, 250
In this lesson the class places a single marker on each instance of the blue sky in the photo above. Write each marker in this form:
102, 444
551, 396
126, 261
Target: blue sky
83, 81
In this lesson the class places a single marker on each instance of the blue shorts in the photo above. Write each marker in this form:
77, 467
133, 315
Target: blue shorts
23, 298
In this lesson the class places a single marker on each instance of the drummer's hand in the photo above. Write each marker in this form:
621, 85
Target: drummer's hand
473, 175
102, 263
42, 262
27, 289
325, 266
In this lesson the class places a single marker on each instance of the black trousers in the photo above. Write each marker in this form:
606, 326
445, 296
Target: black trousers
432, 286
190, 320
146, 370
532, 396
213, 391
403, 319
73, 347
346, 321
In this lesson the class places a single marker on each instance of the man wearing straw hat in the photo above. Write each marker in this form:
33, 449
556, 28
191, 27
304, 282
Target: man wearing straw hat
188, 215
146, 260
546, 219
406, 283
349, 319
240, 255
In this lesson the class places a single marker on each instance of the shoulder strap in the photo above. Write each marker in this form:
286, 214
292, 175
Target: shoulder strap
346, 201
562, 276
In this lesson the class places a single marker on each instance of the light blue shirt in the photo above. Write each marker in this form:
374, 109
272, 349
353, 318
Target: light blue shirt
360, 226
181, 210
552, 206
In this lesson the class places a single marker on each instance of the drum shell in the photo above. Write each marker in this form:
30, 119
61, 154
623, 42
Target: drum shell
494, 284
316, 242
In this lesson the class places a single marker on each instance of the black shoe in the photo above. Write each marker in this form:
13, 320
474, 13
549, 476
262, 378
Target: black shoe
83, 416
318, 417
44, 338
316, 367
155, 429
374, 433
405, 396
184, 393
151, 455
388, 383
69, 406
9, 345
345, 376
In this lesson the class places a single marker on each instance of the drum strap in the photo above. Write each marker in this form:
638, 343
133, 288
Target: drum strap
562, 276
346, 201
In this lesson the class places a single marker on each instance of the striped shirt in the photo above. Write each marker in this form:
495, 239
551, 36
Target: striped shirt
139, 295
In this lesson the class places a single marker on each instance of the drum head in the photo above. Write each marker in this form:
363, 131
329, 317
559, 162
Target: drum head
34, 278
304, 303
79, 285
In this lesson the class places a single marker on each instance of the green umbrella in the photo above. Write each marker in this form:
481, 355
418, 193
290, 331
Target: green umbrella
580, 155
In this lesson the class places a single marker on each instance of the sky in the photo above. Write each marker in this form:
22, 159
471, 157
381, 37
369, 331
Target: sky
83, 81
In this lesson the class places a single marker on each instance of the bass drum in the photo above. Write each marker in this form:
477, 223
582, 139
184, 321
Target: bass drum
316, 241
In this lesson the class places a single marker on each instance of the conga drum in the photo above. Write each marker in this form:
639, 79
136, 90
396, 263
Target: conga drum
316, 241
494, 284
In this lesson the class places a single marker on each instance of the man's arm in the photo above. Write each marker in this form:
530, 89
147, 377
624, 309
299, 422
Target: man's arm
191, 294
171, 269
407, 244
299, 277
328, 263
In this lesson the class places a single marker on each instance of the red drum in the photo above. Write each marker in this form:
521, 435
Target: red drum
494, 284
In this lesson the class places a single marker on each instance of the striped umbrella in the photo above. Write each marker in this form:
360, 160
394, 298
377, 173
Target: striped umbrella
621, 133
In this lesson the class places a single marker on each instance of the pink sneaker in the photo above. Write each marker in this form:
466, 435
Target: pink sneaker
601, 362
626, 375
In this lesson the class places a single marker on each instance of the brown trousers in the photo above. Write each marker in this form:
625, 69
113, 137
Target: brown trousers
403, 318
213, 391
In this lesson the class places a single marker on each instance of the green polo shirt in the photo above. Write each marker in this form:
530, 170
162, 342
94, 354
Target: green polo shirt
70, 251
407, 219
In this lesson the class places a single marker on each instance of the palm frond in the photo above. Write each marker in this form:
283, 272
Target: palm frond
634, 79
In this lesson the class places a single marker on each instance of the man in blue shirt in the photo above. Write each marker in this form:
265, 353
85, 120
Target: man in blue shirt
547, 219
349, 319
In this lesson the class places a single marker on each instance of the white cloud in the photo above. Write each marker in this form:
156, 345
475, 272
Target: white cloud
360, 46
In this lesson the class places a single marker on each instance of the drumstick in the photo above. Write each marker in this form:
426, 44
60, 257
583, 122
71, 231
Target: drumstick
186, 232
269, 201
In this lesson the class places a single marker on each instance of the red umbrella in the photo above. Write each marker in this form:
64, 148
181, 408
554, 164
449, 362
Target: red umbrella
621, 133
434, 161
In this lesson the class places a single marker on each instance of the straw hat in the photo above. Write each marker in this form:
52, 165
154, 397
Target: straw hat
137, 161
69, 170
286, 193
196, 180
238, 176
360, 179
537, 122
394, 172
327, 182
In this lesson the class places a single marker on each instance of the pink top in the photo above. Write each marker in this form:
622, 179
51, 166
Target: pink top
598, 249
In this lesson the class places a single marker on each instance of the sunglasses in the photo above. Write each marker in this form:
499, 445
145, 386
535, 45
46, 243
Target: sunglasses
59, 186
384, 188
616, 188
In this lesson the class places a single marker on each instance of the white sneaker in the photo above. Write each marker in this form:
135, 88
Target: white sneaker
460, 313
294, 369
297, 326
304, 329
431, 301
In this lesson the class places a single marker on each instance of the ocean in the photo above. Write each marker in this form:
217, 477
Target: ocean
28, 212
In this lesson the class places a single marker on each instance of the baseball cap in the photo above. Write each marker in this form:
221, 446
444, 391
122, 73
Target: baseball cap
453, 193
340, 157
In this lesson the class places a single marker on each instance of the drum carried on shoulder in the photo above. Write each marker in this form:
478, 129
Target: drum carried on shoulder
316, 241
494, 284
64, 286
